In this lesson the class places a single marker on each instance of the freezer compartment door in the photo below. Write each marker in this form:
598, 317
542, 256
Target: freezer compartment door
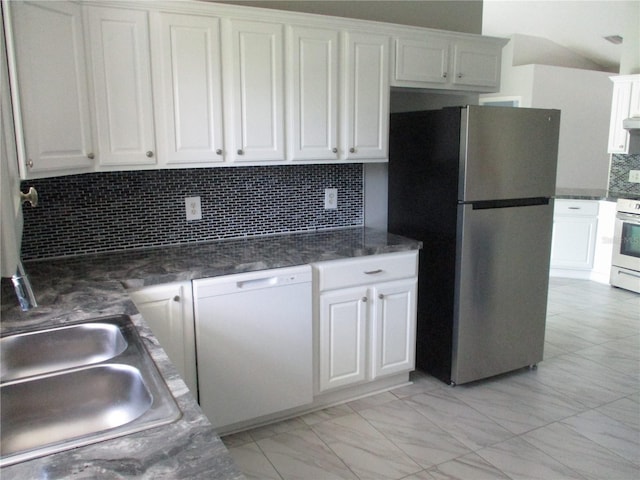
508, 153
502, 278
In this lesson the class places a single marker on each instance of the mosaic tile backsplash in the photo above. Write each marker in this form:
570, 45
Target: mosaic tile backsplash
619, 174
114, 211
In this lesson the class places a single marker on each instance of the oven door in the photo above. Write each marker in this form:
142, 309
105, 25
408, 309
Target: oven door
626, 242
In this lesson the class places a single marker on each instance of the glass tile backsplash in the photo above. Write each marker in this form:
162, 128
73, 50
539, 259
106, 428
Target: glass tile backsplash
619, 174
112, 211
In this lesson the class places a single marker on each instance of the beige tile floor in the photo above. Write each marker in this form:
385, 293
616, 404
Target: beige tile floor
576, 417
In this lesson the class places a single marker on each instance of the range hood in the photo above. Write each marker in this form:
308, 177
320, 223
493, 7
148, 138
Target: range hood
632, 124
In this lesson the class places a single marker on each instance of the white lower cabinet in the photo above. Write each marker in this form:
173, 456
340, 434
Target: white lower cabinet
364, 319
575, 224
168, 310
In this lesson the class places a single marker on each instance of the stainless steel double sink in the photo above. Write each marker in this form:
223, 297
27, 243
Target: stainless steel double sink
74, 385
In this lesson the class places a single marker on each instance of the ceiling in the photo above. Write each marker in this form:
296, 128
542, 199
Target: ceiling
577, 25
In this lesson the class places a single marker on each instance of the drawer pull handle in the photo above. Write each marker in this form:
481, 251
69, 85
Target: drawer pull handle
574, 208
373, 272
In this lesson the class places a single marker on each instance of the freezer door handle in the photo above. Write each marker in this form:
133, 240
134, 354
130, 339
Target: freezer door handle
515, 202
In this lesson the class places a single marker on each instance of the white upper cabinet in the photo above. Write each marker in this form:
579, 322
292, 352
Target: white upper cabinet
49, 88
124, 85
422, 61
625, 104
254, 90
448, 61
312, 55
121, 66
365, 96
476, 64
187, 69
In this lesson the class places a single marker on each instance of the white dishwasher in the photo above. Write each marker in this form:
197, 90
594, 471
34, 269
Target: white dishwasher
253, 343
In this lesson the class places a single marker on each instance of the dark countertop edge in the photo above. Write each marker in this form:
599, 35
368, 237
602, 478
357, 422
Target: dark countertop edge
593, 194
90, 298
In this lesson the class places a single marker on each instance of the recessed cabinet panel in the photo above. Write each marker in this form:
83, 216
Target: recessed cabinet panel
313, 93
476, 64
49, 87
168, 310
121, 68
366, 96
394, 328
620, 109
422, 61
342, 337
575, 224
190, 105
255, 84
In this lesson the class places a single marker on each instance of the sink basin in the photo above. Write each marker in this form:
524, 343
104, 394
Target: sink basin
44, 351
75, 385
70, 405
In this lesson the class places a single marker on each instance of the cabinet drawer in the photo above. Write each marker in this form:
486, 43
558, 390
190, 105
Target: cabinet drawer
364, 270
576, 207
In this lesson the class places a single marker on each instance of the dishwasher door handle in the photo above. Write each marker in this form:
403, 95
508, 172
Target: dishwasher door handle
258, 282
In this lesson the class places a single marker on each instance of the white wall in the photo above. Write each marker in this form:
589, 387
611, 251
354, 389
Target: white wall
582, 96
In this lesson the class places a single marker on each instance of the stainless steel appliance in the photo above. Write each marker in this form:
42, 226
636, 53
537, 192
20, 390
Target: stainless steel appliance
475, 185
625, 262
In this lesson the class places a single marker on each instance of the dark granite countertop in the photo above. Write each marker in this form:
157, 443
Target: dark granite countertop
593, 194
80, 288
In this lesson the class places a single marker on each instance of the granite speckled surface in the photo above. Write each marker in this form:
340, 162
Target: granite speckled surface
79, 288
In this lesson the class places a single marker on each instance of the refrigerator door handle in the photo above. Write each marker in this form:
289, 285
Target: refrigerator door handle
515, 202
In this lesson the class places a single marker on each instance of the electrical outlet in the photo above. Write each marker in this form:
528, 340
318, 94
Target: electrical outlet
192, 206
330, 198
634, 176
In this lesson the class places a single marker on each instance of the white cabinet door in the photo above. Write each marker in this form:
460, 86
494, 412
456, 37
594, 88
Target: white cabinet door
476, 64
422, 60
575, 224
393, 337
49, 87
448, 61
313, 93
121, 66
342, 337
254, 91
168, 310
366, 96
620, 109
187, 64
634, 108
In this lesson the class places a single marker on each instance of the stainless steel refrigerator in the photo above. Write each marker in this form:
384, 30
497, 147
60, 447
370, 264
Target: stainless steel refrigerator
475, 185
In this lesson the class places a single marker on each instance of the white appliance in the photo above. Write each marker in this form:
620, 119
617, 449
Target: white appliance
253, 344
625, 262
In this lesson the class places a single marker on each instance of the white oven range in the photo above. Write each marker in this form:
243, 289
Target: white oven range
625, 262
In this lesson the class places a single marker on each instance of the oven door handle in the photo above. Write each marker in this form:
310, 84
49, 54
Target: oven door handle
626, 217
